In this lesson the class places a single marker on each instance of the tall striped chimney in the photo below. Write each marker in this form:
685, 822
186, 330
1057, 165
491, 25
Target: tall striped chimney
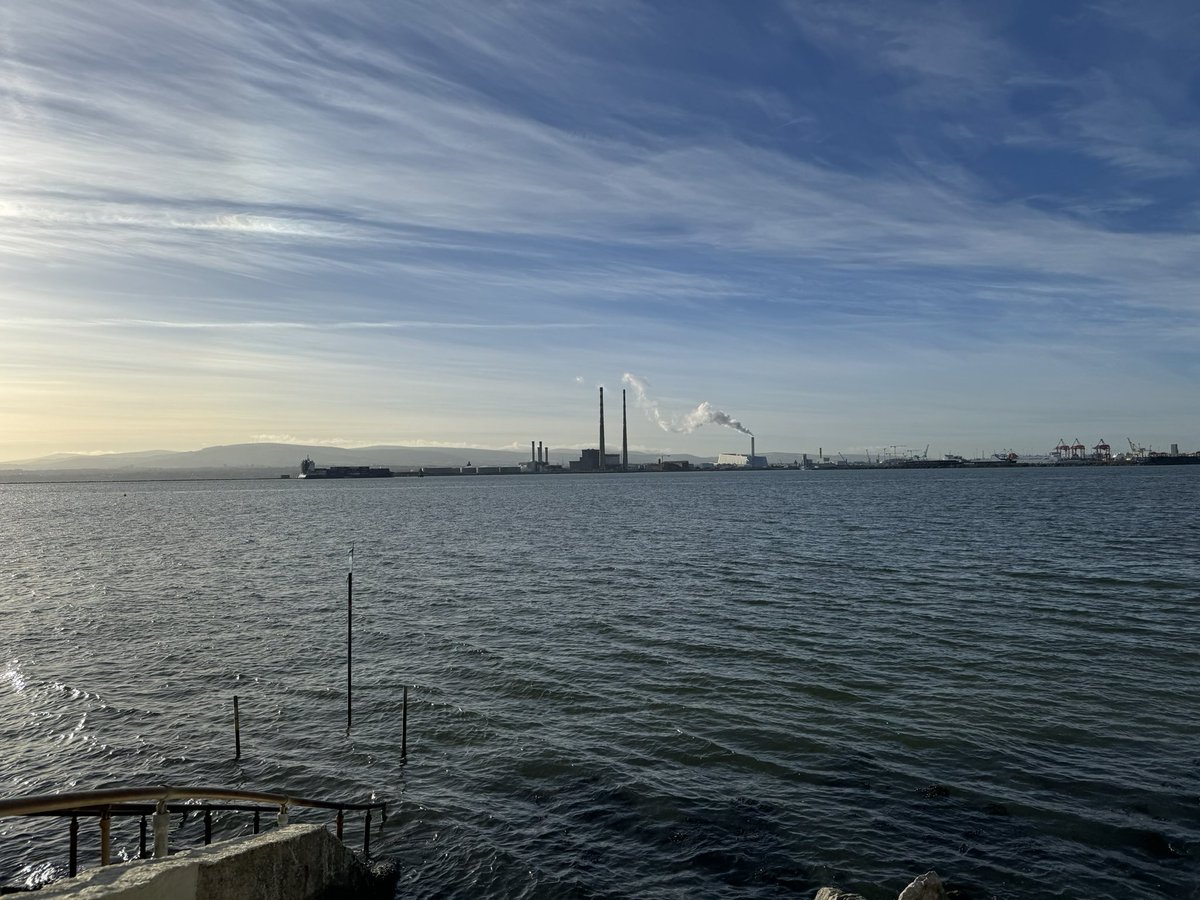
601, 429
751, 451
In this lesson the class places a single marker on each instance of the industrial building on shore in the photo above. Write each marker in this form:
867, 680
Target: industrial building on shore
742, 460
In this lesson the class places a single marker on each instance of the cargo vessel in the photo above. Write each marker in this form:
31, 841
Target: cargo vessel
1169, 459
309, 469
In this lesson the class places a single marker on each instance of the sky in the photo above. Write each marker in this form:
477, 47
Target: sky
846, 225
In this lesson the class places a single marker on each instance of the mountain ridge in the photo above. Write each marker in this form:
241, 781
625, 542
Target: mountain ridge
286, 458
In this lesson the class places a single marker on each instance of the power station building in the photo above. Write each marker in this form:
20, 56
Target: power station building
589, 461
743, 460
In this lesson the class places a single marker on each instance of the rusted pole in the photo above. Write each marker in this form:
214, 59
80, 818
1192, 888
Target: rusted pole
105, 846
237, 730
73, 860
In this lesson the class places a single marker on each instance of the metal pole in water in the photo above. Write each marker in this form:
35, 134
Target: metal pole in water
105, 844
404, 726
237, 730
73, 862
349, 636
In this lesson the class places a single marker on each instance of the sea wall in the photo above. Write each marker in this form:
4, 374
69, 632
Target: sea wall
297, 862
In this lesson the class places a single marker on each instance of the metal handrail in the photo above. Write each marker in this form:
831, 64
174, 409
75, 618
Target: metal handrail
50, 803
124, 801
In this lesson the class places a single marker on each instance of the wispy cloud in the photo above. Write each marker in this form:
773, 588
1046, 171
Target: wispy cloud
475, 197
393, 325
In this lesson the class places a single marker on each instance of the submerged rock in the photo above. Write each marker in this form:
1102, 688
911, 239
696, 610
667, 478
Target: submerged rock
924, 887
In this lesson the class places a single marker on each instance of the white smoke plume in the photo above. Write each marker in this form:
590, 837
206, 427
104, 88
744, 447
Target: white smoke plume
704, 414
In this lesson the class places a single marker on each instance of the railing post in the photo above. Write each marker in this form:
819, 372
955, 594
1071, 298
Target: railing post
207, 826
404, 727
237, 730
142, 839
105, 823
162, 829
281, 820
341, 822
73, 860
256, 821
367, 836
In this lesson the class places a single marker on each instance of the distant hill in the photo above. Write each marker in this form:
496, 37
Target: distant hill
285, 458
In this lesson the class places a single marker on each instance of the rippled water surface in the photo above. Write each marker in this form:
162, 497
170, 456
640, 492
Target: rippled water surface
717, 685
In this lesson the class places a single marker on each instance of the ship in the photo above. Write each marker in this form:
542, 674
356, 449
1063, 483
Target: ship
1169, 459
309, 469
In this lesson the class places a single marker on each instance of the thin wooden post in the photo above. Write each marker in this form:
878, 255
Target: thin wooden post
207, 826
142, 839
105, 845
73, 860
341, 823
404, 727
349, 637
256, 822
237, 730
367, 836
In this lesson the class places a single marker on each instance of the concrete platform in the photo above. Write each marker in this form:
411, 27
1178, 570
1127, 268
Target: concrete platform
296, 862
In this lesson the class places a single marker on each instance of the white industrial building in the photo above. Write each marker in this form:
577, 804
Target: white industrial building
742, 460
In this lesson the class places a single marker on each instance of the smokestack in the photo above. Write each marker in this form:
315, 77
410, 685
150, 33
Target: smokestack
539, 459
624, 435
751, 450
601, 429
532, 453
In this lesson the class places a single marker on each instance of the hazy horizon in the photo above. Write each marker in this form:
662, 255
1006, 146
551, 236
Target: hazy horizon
846, 226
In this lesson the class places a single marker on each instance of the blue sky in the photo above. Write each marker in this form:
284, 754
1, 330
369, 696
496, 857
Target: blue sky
848, 225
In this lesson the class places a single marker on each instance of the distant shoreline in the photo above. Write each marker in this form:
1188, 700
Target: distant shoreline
273, 475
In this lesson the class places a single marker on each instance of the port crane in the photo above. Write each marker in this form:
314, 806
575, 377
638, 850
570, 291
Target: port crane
1134, 449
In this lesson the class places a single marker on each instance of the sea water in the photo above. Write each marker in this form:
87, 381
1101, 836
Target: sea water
743, 684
